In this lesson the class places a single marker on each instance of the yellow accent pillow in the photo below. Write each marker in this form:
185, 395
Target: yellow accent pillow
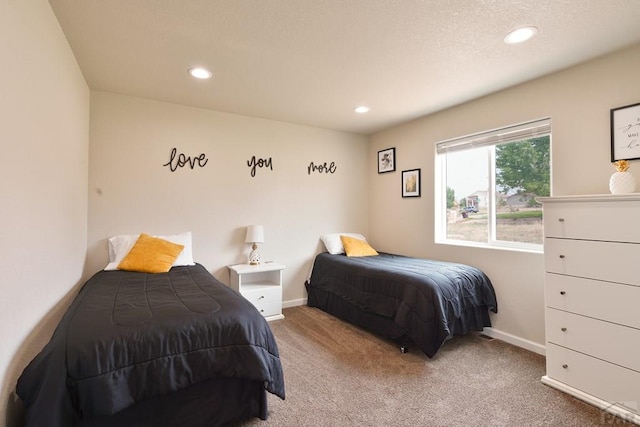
357, 247
151, 255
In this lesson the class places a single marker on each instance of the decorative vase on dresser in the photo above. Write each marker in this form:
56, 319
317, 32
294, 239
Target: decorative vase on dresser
592, 298
622, 181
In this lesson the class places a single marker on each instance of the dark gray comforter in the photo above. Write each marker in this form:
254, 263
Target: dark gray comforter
132, 336
401, 297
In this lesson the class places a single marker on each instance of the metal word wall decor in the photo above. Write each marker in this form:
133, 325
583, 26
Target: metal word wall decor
322, 168
259, 163
181, 160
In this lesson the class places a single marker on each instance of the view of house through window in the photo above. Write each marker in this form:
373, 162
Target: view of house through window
488, 185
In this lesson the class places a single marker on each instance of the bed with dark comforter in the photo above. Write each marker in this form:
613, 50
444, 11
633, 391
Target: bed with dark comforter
410, 300
176, 348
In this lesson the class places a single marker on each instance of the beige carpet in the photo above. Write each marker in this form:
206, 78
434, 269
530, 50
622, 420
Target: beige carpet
339, 375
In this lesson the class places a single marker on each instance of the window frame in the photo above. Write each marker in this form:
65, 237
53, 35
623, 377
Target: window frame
490, 139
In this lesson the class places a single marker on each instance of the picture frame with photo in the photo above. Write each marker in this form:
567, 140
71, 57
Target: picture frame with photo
411, 183
387, 160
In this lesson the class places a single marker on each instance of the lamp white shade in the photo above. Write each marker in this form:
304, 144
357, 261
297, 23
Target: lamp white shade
255, 234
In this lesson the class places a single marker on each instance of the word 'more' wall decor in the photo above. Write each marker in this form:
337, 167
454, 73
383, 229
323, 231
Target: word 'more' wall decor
322, 168
259, 163
181, 160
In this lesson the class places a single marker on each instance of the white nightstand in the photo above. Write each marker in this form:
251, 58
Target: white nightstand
260, 284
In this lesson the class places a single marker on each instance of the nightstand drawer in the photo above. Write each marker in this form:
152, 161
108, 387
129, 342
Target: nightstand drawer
607, 341
262, 294
267, 309
601, 379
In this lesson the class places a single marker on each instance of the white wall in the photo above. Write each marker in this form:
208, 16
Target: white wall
578, 100
130, 191
44, 139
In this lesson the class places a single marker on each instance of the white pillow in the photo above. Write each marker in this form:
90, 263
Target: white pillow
333, 243
120, 245
116, 242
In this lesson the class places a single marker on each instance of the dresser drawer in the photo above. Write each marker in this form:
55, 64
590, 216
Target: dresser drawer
612, 220
262, 294
613, 302
609, 261
601, 379
607, 341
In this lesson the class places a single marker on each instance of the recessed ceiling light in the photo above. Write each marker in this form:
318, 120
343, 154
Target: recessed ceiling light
520, 35
200, 73
361, 109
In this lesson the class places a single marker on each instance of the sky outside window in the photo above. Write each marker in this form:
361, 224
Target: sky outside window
468, 172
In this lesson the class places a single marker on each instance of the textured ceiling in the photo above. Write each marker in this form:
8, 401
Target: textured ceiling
312, 61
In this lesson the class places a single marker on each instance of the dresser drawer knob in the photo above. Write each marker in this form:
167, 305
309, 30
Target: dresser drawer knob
561, 256
565, 366
560, 219
563, 293
563, 329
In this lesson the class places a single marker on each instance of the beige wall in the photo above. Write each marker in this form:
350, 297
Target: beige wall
44, 135
578, 100
130, 191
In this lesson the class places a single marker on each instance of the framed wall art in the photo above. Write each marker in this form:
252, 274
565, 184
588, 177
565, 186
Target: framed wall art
387, 160
411, 183
625, 133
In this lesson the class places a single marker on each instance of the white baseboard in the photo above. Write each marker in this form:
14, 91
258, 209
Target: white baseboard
294, 303
515, 340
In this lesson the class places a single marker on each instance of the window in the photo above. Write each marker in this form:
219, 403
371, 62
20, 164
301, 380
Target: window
486, 185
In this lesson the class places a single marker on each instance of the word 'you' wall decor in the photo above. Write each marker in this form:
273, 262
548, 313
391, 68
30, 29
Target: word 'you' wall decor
255, 163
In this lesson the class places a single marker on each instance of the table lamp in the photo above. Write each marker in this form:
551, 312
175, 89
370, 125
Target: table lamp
255, 235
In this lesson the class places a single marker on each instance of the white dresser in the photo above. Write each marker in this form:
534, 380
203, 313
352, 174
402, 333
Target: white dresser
592, 298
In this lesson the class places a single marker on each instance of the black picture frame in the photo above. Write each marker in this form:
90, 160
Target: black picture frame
625, 132
387, 160
411, 183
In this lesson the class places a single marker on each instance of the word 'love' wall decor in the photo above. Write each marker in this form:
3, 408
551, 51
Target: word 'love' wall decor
181, 160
